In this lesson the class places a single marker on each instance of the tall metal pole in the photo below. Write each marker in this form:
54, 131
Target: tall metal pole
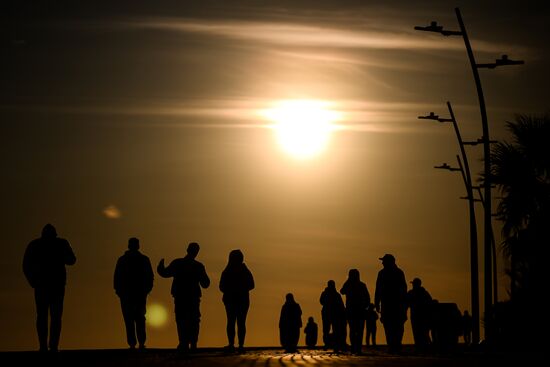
487, 186
494, 247
474, 273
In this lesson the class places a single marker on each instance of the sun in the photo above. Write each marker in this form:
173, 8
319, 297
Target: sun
303, 127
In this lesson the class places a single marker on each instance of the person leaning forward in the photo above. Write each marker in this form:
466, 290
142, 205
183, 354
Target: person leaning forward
189, 276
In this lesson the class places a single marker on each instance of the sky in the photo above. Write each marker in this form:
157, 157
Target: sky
155, 120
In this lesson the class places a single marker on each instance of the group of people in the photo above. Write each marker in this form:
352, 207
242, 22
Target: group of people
133, 280
390, 300
44, 264
46, 257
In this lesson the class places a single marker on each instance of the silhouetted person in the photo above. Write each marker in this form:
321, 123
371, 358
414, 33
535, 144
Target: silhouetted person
357, 301
371, 318
446, 325
44, 267
290, 324
333, 315
235, 283
133, 280
311, 330
420, 303
390, 299
189, 276
467, 324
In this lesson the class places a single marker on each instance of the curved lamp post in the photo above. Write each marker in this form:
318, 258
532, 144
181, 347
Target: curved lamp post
466, 176
434, 27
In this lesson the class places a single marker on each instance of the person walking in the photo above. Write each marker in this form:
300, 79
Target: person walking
235, 283
371, 320
357, 301
290, 323
189, 276
133, 281
333, 314
44, 267
390, 299
420, 303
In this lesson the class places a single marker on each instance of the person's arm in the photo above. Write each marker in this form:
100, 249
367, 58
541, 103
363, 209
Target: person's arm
69, 256
165, 272
204, 281
149, 275
223, 282
250, 280
116, 277
28, 265
367, 297
378, 293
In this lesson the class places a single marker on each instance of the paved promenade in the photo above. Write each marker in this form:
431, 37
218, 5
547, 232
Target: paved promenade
262, 357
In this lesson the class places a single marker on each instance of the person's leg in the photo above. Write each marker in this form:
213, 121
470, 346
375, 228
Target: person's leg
56, 312
180, 311
139, 317
230, 327
390, 335
41, 302
194, 316
326, 329
128, 316
242, 312
399, 331
373, 334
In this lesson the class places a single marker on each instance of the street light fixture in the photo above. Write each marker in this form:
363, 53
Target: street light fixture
467, 177
434, 27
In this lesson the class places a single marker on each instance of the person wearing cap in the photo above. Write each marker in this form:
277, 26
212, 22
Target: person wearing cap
44, 267
189, 276
420, 303
390, 299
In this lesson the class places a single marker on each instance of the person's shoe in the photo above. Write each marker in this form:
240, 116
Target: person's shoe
230, 348
132, 347
183, 348
142, 347
240, 349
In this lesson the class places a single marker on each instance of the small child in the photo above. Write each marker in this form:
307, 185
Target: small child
311, 331
371, 318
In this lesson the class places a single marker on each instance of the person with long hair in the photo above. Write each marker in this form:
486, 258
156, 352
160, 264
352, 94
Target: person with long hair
235, 283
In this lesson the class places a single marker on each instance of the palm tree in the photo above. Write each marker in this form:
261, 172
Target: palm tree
521, 171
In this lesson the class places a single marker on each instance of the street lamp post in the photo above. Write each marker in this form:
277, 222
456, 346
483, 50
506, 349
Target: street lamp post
487, 235
465, 170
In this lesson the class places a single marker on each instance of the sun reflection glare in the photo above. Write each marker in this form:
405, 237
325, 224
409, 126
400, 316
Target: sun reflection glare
156, 315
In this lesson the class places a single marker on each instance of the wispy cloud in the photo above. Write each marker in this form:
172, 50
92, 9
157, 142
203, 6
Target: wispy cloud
356, 115
295, 34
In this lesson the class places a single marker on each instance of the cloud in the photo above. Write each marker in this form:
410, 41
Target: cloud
294, 34
112, 212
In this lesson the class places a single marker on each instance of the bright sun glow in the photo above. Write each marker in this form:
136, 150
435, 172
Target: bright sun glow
303, 127
156, 315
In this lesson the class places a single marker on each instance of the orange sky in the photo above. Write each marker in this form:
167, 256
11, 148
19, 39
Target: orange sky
146, 121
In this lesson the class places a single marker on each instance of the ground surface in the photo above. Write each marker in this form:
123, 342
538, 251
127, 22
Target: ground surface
262, 357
